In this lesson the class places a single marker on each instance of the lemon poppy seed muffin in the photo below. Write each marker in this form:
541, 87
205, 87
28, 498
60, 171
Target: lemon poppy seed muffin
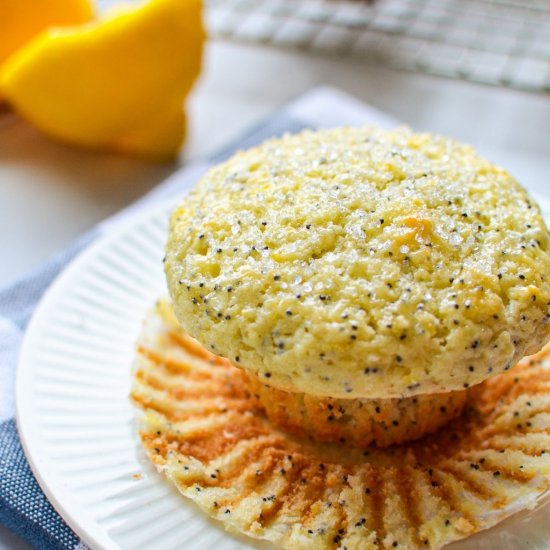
361, 263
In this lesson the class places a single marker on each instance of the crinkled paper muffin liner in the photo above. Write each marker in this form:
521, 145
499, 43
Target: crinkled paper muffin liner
206, 431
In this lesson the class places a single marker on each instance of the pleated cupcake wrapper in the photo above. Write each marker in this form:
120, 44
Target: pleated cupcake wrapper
206, 431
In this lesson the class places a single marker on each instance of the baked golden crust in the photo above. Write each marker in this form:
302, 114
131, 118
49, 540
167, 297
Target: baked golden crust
362, 263
358, 422
205, 431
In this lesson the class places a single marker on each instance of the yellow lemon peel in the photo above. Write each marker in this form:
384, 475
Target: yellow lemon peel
117, 83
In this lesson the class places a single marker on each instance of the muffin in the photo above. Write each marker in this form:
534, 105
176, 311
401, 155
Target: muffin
360, 264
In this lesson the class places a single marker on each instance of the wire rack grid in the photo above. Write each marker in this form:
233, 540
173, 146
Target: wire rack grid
498, 42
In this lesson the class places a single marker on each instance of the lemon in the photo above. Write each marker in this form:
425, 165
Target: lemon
117, 83
21, 20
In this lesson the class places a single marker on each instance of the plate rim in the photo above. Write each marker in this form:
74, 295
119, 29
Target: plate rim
60, 499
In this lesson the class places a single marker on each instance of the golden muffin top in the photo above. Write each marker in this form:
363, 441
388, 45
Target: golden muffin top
358, 262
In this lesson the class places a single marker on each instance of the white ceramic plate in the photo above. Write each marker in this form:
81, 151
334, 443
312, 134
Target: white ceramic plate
77, 424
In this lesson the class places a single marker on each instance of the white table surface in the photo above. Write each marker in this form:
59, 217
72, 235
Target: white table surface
51, 193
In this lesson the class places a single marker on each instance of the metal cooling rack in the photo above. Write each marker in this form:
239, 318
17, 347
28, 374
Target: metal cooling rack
498, 42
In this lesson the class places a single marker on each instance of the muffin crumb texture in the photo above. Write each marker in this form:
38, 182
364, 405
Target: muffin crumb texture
362, 263
358, 422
